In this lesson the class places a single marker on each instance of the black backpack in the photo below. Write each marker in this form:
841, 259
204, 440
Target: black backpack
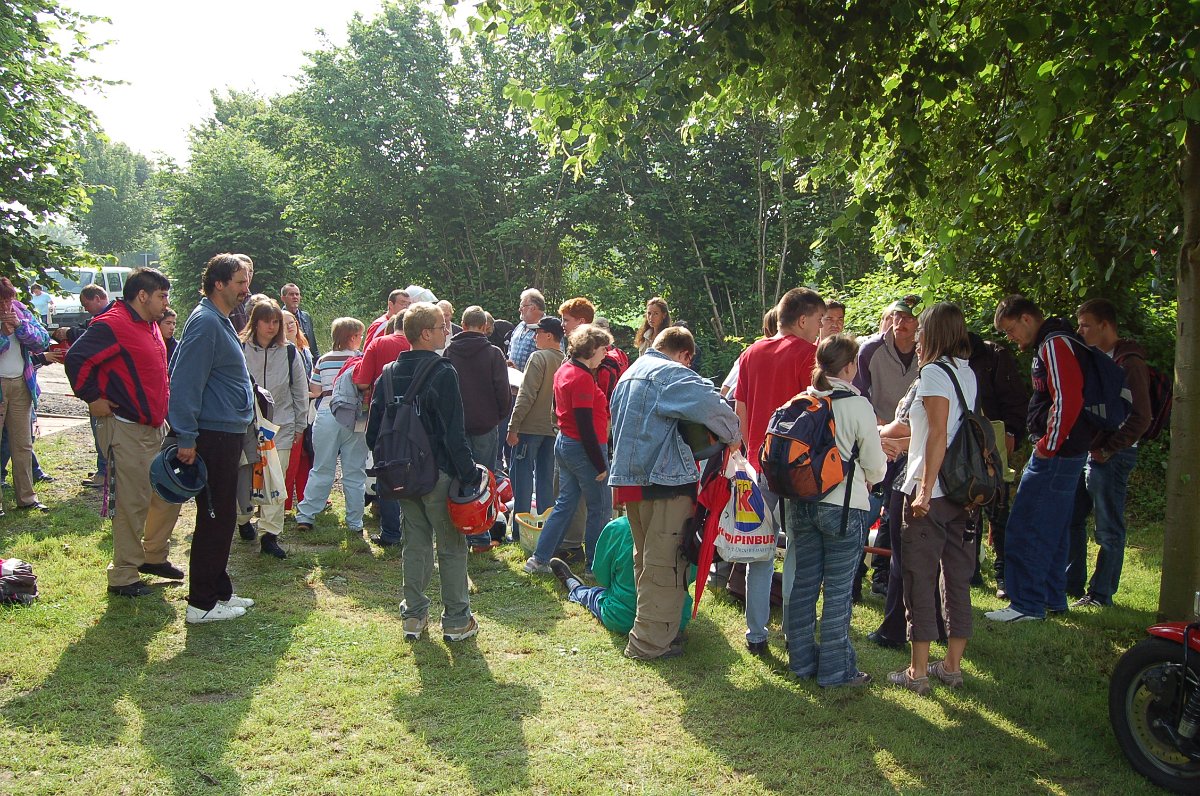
1162, 393
405, 466
971, 473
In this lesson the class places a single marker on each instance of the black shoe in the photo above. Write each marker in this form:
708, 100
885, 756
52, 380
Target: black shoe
247, 531
875, 637
379, 540
570, 555
44, 479
270, 546
1001, 593
879, 589
564, 574
136, 589
757, 648
36, 506
164, 570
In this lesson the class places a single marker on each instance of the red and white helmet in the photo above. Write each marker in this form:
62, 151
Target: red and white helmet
504, 489
473, 510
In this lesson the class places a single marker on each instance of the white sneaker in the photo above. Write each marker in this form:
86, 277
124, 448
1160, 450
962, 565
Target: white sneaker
534, 567
1011, 614
196, 616
237, 602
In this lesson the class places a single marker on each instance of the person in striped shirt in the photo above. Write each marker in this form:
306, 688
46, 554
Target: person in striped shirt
332, 440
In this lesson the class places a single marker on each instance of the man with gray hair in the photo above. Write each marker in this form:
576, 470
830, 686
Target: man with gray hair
521, 344
289, 296
448, 312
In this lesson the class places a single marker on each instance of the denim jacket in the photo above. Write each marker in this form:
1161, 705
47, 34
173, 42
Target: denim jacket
34, 339
649, 401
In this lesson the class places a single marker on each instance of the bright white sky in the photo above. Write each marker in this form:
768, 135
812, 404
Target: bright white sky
173, 53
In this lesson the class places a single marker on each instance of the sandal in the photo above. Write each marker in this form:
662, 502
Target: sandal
951, 679
902, 678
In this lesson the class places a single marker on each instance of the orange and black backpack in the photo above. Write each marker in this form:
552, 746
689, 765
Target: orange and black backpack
800, 456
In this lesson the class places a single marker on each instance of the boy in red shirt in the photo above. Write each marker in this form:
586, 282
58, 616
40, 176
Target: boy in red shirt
772, 372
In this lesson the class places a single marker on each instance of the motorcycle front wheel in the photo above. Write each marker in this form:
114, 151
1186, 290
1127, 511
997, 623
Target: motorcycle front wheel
1144, 698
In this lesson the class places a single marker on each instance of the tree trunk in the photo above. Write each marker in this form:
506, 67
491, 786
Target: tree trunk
783, 247
1181, 540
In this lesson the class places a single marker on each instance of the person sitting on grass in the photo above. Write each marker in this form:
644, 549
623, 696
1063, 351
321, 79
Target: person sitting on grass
614, 600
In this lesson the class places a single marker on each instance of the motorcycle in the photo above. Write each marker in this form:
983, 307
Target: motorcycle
1154, 705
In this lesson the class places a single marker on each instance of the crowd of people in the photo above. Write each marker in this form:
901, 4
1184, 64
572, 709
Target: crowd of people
552, 401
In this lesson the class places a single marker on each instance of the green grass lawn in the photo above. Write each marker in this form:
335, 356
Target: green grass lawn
316, 691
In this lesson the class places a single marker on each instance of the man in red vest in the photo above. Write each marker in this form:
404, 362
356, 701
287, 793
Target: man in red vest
119, 366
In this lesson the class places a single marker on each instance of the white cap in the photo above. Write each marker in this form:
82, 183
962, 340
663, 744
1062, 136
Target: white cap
418, 293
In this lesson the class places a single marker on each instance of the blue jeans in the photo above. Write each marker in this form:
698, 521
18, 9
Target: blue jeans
825, 557
759, 575
533, 459
332, 440
483, 451
589, 598
389, 520
1037, 536
576, 481
1101, 489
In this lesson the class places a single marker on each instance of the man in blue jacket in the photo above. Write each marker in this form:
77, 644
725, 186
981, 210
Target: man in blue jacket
655, 476
210, 407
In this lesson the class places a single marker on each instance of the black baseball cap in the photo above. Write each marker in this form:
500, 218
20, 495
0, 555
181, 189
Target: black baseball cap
552, 325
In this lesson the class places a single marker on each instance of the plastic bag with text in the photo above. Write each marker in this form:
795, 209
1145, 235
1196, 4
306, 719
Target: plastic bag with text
747, 528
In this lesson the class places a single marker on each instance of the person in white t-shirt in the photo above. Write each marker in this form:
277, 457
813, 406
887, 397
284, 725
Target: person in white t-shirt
935, 529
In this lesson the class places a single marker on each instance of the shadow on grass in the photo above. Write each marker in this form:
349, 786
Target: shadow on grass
77, 701
502, 594
194, 702
467, 718
1043, 716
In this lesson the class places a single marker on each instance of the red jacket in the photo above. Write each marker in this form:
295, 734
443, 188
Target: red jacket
122, 358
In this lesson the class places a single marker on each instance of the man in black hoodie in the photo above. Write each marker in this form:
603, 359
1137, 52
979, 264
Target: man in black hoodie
486, 396
1004, 398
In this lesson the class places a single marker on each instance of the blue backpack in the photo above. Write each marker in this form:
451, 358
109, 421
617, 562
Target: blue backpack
1107, 399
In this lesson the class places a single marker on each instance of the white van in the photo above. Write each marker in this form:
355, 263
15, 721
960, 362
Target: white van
66, 310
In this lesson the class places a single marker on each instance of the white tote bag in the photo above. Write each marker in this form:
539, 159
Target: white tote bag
747, 528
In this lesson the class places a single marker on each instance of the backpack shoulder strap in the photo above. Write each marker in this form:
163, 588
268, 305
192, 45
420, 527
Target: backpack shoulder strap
291, 356
962, 400
421, 376
385, 378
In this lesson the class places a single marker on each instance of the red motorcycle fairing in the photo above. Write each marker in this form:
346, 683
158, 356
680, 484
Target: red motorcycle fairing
1173, 631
